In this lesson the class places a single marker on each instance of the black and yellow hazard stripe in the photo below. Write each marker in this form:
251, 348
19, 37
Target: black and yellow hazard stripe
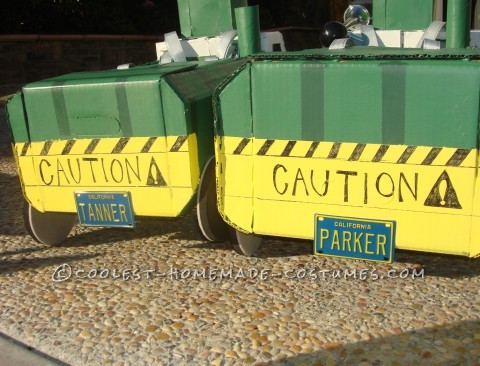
103, 146
375, 153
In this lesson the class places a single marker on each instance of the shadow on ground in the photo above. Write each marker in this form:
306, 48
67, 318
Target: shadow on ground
8, 266
448, 345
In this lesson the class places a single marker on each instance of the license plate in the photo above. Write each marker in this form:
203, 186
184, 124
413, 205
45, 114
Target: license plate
347, 237
109, 209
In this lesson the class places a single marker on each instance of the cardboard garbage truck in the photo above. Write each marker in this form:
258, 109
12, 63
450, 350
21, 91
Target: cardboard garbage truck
363, 146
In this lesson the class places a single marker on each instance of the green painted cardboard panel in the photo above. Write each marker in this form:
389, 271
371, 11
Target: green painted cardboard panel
233, 106
195, 89
422, 102
17, 119
95, 109
404, 14
352, 102
109, 103
276, 99
177, 121
442, 104
125, 103
205, 18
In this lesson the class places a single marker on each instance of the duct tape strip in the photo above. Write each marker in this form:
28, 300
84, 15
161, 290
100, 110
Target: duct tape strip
340, 44
174, 47
369, 33
431, 33
165, 58
430, 44
226, 47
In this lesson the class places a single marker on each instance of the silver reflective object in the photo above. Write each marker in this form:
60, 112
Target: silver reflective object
356, 15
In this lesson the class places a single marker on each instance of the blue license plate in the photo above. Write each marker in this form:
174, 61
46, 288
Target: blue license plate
354, 238
109, 209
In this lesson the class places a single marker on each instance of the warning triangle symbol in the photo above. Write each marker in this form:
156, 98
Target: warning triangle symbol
155, 177
443, 194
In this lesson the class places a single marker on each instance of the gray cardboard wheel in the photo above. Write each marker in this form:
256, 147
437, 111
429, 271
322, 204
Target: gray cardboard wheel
209, 220
246, 244
50, 228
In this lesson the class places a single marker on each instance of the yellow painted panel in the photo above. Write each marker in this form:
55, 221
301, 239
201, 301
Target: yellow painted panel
230, 144
441, 233
475, 237
323, 149
134, 145
238, 211
382, 185
171, 140
106, 146
56, 147
26, 170
193, 158
159, 145
238, 172
36, 148
151, 201
179, 169
346, 151
161, 183
430, 192
80, 146
101, 170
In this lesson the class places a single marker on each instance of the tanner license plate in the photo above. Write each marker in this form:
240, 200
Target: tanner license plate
344, 237
109, 209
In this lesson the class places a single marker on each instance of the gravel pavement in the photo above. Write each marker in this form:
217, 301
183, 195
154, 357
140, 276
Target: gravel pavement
157, 295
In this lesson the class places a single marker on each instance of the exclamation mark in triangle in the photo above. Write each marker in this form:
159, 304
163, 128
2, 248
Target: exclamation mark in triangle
155, 177
443, 194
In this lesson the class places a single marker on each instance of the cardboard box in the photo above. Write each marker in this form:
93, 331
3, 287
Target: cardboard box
404, 14
146, 130
374, 139
207, 18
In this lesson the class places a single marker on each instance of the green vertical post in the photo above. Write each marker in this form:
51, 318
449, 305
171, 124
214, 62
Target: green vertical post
458, 30
248, 28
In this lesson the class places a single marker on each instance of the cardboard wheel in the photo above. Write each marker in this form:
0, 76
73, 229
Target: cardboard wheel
246, 244
50, 228
209, 220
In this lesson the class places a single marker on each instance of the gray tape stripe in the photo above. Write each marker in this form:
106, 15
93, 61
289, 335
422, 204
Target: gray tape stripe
288, 149
393, 103
178, 143
68, 147
313, 100
357, 152
432, 155
60, 106
241, 146
334, 151
406, 154
458, 157
91, 146
46, 147
25, 149
312, 149
122, 106
120, 145
148, 145
382, 150
266, 145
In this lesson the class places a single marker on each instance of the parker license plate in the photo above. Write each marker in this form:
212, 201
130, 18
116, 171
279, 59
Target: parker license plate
109, 209
354, 238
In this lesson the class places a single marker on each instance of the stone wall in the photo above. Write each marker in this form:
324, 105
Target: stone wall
27, 58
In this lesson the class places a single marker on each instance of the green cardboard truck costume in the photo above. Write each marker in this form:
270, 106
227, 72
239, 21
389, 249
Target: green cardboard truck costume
359, 148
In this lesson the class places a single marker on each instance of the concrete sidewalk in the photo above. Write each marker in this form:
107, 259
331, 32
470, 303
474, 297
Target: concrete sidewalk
16, 353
